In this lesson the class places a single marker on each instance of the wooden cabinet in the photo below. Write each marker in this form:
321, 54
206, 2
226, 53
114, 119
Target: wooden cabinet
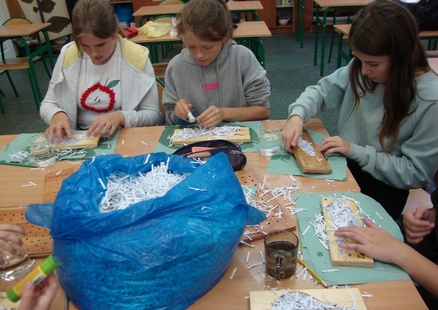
137, 4
273, 10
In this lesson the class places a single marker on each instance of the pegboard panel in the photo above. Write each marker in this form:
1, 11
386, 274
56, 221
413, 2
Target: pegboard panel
53, 182
37, 241
286, 222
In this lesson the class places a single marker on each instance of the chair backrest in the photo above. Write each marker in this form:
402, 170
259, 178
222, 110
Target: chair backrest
160, 88
19, 20
163, 19
165, 2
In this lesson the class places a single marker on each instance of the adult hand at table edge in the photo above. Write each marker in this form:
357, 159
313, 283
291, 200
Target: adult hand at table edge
59, 127
292, 131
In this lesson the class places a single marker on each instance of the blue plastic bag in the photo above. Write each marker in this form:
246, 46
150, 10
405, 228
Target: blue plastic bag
163, 253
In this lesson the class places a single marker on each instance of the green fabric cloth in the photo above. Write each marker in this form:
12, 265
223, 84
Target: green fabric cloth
285, 163
107, 146
164, 145
318, 257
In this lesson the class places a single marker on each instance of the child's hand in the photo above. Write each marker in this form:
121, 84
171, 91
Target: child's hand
8, 234
210, 117
39, 297
182, 109
418, 223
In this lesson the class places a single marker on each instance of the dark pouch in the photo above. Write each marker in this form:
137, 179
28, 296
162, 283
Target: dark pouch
205, 149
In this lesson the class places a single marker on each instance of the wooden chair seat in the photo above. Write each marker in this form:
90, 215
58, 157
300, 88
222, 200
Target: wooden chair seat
160, 88
15, 63
27, 63
160, 69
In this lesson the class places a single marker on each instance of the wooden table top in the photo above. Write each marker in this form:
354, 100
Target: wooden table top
253, 29
341, 3
20, 30
433, 63
235, 6
228, 293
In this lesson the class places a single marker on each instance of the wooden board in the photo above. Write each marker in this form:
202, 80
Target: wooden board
38, 241
53, 181
262, 300
286, 222
241, 135
78, 141
310, 164
338, 256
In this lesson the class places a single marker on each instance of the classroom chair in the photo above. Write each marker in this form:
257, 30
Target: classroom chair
343, 31
160, 69
160, 88
25, 62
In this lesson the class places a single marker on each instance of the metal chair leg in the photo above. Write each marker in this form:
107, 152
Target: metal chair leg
1, 102
12, 83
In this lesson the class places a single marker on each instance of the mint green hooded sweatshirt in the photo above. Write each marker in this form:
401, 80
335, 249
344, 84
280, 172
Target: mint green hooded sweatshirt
412, 160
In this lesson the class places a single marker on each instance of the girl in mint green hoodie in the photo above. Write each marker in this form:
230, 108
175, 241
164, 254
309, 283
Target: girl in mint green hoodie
388, 107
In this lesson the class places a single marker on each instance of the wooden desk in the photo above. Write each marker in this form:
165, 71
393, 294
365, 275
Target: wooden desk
327, 6
151, 11
344, 30
245, 30
19, 31
228, 293
433, 63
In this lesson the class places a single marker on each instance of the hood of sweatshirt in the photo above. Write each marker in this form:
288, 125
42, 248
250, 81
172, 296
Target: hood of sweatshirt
214, 66
186, 56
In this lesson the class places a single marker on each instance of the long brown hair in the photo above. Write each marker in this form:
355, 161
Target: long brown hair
94, 17
210, 20
385, 28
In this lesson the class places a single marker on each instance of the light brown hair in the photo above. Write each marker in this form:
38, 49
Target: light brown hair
210, 20
94, 17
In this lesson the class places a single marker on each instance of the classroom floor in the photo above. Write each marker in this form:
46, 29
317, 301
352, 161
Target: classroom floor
289, 68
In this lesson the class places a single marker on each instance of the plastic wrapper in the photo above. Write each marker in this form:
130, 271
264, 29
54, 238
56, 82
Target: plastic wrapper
155, 29
162, 253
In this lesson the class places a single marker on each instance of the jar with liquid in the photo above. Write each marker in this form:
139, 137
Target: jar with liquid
14, 264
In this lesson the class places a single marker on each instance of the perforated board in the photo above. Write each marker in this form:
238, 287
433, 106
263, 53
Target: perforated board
286, 222
338, 256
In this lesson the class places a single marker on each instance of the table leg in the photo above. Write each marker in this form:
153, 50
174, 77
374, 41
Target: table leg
303, 21
323, 36
49, 48
315, 52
